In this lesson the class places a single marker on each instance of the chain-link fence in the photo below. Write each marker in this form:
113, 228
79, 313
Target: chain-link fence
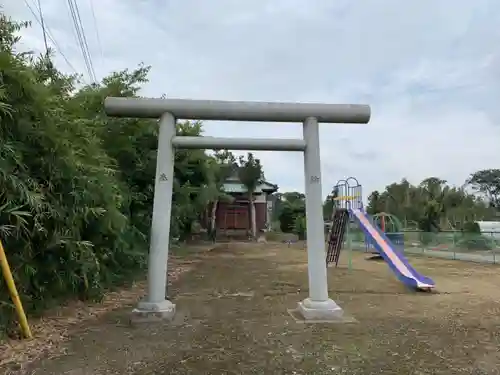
476, 247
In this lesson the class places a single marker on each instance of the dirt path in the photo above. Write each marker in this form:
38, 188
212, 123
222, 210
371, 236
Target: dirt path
232, 319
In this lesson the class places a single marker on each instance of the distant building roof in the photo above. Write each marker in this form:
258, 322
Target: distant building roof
233, 185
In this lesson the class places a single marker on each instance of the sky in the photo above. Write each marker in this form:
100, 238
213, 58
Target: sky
429, 69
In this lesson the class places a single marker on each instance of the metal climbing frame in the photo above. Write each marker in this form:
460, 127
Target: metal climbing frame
346, 195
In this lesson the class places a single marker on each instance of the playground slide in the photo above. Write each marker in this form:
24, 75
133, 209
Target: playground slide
396, 261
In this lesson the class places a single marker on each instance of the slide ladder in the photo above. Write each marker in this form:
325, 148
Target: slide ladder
337, 233
395, 259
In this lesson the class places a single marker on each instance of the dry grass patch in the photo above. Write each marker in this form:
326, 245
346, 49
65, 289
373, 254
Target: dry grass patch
232, 319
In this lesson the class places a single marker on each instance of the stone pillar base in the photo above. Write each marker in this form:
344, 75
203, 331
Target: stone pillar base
153, 312
320, 310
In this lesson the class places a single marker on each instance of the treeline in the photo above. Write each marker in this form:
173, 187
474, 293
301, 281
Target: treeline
433, 205
76, 187
430, 206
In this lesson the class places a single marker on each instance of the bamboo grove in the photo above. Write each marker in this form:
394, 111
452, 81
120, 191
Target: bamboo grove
76, 187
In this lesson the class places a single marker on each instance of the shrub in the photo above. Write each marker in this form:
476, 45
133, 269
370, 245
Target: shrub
475, 242
427, 238
471, 227
289, 213
299, 227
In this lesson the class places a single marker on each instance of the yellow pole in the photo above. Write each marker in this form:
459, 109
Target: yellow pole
7, 274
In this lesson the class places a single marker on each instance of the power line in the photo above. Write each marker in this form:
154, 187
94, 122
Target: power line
43, 29
96, 27
81, 39
51, 38
84, 39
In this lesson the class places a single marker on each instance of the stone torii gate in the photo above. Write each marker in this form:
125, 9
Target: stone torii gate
318, 306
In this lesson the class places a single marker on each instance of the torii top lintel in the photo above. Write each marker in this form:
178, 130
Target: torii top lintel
191, 109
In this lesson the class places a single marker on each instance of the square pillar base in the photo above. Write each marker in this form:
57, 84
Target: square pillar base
153, 312
320, 310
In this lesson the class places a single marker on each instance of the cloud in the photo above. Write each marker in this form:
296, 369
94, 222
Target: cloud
430, 71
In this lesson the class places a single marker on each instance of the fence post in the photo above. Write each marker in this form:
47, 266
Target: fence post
493, 247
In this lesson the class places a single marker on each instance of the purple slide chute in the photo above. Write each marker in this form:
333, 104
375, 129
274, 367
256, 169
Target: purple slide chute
395, 259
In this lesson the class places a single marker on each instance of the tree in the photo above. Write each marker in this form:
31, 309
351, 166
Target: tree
292, 214
76, 187
375, 203
250, 174
432, 204
221, 166
328, 207
63, 216
487, 182
434, 191
294, 197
